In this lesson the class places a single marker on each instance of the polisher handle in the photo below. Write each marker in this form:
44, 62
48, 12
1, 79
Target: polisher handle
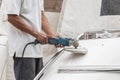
56, 41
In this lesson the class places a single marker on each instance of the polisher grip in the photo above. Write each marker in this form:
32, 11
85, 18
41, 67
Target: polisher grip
56, 41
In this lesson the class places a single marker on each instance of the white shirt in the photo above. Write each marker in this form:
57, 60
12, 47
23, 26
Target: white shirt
30, 11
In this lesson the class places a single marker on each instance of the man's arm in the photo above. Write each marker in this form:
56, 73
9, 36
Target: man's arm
18, 22
46, 26
47, 29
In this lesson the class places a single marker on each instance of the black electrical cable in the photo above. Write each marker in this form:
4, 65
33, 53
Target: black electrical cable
22, 63
26, 47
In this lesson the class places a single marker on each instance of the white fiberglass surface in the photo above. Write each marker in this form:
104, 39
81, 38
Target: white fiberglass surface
101, 52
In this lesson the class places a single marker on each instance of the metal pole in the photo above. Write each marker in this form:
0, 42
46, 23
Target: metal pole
48, 64
89, 69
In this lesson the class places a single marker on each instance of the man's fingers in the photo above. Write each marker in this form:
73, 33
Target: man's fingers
45, 39
42, 38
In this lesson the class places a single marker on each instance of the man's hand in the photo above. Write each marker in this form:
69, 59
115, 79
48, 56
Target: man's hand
47, 28
42, 38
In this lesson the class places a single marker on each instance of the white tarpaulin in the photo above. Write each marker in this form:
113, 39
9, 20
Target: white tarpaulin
79, 16
3, 46
3, 51
3, 57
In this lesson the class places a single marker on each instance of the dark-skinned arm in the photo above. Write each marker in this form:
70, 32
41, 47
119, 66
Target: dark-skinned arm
19, 23
46, 26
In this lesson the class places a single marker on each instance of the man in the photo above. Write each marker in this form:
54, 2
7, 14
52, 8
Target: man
26, 19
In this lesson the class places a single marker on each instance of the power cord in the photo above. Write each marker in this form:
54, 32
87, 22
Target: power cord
26, 47
22, 63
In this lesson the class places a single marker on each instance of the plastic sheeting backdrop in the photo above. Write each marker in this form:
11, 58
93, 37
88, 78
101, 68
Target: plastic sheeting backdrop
78, 18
